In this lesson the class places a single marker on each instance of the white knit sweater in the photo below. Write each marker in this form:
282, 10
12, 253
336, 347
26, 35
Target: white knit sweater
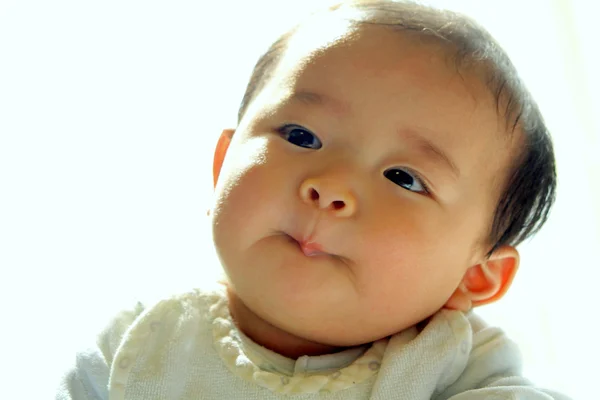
187, 347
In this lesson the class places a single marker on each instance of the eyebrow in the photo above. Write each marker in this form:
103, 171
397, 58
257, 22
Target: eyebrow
425, 145
431, 149
313, 98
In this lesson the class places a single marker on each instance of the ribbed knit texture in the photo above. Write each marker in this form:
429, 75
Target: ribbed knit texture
187, 347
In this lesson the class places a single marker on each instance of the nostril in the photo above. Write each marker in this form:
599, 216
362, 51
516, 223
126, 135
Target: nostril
314, 195
337, 204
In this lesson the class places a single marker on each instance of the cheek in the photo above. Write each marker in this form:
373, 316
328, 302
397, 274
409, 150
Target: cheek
411, 273
400, 229
244, 161
249, 195
414, 246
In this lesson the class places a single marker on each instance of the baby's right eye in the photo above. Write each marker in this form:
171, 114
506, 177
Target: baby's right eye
300, 136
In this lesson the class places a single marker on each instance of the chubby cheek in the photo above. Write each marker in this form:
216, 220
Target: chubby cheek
411, 260
247, 196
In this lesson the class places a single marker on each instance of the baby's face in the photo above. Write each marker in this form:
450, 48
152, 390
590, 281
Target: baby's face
358, 188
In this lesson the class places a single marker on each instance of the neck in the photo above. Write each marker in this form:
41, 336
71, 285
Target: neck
270, 336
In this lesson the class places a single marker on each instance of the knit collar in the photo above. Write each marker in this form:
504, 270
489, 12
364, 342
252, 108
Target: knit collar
254, 363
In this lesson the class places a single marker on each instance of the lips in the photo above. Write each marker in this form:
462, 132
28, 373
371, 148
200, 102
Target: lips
309, 248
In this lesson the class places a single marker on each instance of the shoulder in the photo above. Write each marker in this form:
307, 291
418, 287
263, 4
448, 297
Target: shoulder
485, 342
105, 363
88, 377
481, 350
148, 316
110, 337
492, 363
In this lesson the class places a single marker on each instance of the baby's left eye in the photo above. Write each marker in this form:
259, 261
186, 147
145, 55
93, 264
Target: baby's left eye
300, 136
407, 179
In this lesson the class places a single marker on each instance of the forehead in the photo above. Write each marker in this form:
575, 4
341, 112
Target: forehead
404, 76
346, 59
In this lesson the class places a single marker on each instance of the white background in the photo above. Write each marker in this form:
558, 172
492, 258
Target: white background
108, 116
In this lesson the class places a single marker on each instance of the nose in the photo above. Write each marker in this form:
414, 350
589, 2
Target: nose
329, 195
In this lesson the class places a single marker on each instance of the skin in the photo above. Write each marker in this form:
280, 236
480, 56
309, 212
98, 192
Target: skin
322, 251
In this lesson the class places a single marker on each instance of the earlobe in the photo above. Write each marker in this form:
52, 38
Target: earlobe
486, 282
220, 152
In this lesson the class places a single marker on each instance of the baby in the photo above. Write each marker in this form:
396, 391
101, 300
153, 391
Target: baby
387, 161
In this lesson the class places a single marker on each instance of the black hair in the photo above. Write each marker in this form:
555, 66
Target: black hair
530, 188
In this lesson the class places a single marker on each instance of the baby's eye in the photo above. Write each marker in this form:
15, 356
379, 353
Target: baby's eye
406, 179
300, 136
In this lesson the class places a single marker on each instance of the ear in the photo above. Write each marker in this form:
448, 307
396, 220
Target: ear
486, 282
220, 151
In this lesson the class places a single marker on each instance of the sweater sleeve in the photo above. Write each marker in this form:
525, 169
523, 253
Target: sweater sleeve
88, 378
494, 370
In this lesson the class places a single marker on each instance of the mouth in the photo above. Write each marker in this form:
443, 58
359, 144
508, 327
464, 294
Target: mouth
310, 248
314, 249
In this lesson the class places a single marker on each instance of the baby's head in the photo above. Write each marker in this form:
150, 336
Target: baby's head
386, 162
